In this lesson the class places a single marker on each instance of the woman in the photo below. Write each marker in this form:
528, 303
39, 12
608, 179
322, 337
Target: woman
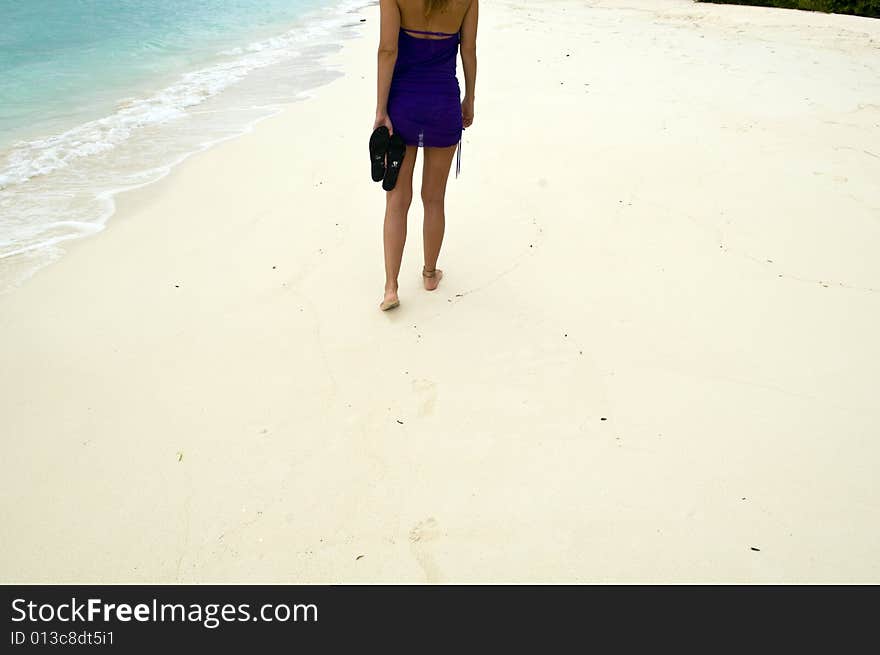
419, 97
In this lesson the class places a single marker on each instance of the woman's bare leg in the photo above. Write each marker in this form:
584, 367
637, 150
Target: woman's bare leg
397, 202
435, 173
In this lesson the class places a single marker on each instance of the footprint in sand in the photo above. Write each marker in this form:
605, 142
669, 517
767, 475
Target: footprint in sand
420, 538
427, 391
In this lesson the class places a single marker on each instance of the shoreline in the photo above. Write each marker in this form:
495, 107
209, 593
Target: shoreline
651, 358
93, 205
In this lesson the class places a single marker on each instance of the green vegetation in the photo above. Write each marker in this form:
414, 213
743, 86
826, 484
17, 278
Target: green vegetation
858, 7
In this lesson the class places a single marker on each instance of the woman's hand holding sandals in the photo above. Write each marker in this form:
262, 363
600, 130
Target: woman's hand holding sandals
383, 119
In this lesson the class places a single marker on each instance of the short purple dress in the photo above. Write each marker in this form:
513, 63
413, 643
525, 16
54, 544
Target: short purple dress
424, 102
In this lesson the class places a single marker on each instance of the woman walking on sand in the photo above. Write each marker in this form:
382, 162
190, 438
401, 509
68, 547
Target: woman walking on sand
419, 99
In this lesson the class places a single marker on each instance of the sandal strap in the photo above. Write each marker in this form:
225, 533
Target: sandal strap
427, 273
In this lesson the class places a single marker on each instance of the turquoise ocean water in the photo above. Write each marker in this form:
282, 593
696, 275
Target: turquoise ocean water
97, 96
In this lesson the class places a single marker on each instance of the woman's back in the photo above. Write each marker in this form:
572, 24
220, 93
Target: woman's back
444, 17
424, 96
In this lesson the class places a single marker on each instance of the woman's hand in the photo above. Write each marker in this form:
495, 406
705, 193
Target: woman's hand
467, 112
382, 119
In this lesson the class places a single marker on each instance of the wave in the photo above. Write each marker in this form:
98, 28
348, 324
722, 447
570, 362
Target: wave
62, 187
41, 156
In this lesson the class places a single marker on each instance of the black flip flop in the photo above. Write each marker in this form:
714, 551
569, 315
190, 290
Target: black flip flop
378, 148
396, 152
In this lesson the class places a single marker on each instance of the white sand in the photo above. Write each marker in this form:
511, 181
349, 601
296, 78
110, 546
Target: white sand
676, 228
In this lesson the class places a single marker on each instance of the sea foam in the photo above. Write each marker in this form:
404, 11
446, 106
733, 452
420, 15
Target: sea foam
61, 187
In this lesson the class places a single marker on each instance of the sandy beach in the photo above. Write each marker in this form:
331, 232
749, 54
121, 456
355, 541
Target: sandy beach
652, 358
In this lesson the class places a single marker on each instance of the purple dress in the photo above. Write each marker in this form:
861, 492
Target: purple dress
424, 102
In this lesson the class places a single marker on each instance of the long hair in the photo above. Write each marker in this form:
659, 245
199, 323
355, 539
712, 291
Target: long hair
431, 5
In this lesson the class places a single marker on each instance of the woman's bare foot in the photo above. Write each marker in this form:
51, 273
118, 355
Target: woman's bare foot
432, 278
390, 301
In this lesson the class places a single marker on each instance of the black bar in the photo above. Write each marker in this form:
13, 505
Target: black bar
332, 617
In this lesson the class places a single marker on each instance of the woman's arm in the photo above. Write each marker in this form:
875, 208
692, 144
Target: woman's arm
388, 33
469, 61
